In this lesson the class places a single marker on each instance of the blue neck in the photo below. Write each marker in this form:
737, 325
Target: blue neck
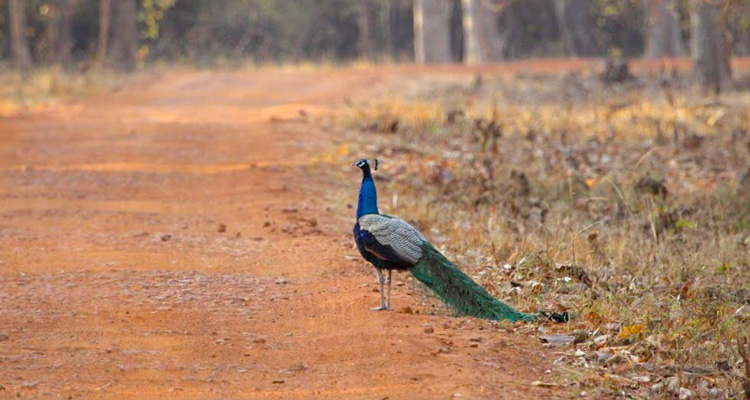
368, 196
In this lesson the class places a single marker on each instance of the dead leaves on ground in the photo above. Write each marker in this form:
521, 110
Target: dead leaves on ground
625, 208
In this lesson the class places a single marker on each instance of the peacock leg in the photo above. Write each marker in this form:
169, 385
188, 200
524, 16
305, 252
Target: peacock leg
388, 280
382, 298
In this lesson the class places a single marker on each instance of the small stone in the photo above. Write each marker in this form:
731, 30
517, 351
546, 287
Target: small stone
429, 329
4, 337
281, 281
278, 381
601, 340
714, 393
673, 384
657, 387
222, 228
557, 340
685, 394
580, 353
165, 238
615, 359
407, 310
259, 341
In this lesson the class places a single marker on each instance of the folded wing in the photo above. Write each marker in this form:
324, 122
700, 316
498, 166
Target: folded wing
391, 239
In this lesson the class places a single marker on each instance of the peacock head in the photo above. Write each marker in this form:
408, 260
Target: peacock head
365, 164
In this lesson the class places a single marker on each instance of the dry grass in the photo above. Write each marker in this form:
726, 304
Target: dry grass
627, 205
41, 88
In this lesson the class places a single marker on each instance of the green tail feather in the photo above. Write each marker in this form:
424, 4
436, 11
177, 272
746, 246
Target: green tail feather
459, 291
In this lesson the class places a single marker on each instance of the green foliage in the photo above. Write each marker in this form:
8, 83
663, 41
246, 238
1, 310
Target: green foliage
723, 269
151, 14
224, 31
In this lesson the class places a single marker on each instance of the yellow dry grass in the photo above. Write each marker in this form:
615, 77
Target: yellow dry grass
557, 205
40, 88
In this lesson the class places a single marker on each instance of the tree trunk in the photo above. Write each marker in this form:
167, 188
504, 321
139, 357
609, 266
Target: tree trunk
472, 32
124, 48
432, 32
577, 27
105, 14
19, 41
483, 39
490, 41
364, 22
385, 24
710, 47
663, 37
58, 35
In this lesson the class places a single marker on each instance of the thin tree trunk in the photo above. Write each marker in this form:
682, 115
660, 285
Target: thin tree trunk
432, 40
384, 19
576, 27
472, 32
492, 41
419, 35
483, 39
124, 47
710, 47
567, 38
19, 42
58, 35
663, 36
364, 21
105, 13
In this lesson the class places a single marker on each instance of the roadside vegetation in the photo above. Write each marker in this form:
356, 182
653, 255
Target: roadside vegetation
41, 88
627, 205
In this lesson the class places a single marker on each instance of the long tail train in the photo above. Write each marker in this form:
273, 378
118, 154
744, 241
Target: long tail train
459, 291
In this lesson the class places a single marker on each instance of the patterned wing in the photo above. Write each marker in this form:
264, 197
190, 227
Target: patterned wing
391, 239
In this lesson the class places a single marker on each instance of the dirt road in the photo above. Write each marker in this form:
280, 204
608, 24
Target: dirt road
177, 239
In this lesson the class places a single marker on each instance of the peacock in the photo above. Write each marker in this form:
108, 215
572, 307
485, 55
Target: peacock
390, 243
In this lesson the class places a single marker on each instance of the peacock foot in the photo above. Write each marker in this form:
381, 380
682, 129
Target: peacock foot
381, 308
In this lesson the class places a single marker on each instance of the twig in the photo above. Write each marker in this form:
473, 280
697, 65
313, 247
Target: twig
643, 157
620, 195
742, 346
